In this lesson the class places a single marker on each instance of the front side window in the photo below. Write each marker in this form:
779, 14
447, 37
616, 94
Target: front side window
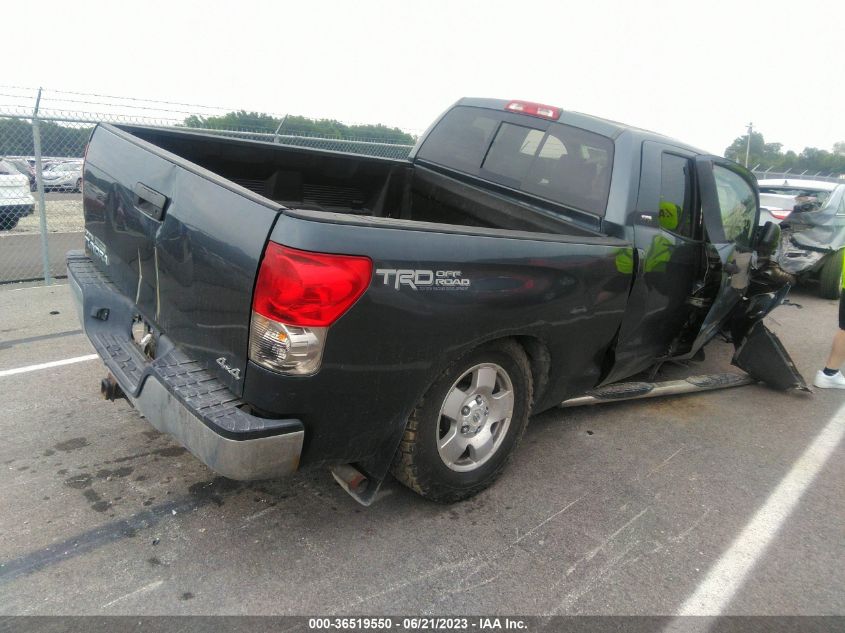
738, 206
675, 207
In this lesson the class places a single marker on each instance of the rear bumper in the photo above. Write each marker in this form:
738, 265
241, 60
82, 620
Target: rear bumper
176, 394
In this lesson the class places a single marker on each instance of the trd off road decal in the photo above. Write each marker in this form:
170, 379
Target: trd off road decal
423, 279
96, 247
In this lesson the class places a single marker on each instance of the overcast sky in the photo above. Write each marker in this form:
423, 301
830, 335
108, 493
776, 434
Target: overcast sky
698, 71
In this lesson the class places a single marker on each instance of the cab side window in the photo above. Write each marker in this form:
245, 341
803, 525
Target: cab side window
676, 213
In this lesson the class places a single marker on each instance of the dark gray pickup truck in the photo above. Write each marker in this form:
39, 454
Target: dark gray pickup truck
276, 307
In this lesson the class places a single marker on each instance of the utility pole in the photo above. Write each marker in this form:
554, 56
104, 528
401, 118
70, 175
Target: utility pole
750, 127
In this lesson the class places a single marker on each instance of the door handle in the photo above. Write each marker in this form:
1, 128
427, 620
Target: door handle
149, 201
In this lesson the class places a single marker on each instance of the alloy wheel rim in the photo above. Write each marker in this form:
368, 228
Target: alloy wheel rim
474, 417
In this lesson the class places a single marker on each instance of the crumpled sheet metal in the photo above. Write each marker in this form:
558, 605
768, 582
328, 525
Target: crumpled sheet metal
808, 237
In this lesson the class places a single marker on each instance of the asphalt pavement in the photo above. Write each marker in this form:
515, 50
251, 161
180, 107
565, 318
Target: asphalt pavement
628, 508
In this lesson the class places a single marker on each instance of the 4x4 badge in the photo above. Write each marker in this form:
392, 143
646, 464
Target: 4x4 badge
234, 371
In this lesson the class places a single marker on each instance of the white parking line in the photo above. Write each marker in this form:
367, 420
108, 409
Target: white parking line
726, 577
55, 363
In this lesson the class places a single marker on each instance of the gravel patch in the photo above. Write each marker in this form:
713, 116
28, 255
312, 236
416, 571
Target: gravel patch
63, 216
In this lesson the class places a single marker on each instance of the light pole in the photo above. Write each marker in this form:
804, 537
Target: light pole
750, 127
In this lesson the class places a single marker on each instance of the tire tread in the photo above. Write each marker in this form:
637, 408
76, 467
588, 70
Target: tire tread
405, 463
830, 277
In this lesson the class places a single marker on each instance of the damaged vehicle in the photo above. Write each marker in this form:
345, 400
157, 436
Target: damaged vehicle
780, 197
276, 308
813, 233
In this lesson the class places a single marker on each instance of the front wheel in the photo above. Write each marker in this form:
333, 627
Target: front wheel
462, 433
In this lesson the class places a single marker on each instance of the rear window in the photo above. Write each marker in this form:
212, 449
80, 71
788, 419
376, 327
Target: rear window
805, 194
460, 139
563, 164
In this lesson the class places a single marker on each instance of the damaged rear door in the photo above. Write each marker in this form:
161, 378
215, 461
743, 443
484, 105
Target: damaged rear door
730, 209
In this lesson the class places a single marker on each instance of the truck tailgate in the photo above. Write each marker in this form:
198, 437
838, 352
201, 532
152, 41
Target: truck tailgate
179, 241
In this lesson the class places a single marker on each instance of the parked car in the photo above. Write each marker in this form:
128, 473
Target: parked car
813, 238
23, 166
407, 316
16, 201
779, 196
775, 207
65, 176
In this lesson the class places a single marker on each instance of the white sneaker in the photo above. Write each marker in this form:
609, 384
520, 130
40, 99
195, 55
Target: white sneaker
823, 381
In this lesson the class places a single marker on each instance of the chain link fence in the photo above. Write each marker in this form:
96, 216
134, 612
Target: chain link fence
42, 143
795, 175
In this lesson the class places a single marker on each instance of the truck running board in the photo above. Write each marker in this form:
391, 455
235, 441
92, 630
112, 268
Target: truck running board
635, 390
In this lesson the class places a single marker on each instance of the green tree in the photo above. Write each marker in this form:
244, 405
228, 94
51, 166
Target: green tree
15, 138
240, 120
300, 126
771, 156
56, 140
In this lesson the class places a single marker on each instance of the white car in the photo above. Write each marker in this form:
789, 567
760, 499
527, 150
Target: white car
15, 199
778, 196
66, 176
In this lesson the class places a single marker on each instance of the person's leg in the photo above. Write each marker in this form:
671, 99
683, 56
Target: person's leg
837, 352
830, 376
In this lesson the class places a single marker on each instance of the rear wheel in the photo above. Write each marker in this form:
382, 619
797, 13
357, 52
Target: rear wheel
830, 277
78, 188
462, 433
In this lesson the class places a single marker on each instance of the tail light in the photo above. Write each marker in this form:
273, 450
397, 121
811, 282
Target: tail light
534, 109
298, 295
780, 214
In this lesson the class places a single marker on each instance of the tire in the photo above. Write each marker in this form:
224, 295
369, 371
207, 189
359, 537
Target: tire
8, 222
830, 277
78, 188
463, 432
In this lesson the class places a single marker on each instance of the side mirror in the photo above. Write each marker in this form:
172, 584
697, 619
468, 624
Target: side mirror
768, 239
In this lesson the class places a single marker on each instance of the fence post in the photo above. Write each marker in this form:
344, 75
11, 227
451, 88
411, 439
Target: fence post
276, 138
42, 207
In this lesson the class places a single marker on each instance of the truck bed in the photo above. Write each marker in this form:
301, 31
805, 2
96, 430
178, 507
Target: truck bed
318, 180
